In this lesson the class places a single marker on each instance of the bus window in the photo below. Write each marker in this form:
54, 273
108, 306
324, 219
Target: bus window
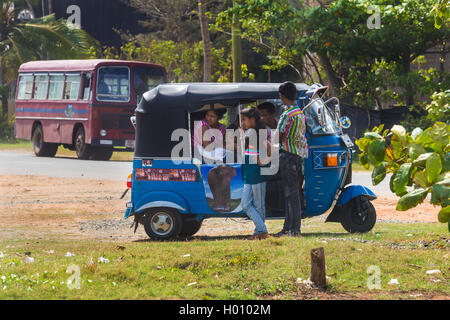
72, 87
25, 87
113, 84
40, 86
145, 79
56, 87
86, 86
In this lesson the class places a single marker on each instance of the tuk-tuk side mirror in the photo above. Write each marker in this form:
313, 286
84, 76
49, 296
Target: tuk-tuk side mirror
345, 122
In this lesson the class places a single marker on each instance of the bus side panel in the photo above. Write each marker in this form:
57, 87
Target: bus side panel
67, 132
23, 129
79, 112
44, 112
51, 130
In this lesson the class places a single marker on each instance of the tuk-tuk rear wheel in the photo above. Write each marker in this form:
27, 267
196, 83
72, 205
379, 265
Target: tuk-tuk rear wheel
162, 223
358, 215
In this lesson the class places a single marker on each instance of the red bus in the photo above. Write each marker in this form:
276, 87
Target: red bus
84, 105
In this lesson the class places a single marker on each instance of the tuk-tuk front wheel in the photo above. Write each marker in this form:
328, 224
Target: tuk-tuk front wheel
358, 215
162, 223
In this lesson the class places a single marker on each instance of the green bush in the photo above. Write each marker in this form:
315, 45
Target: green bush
419, 160
439, 108
7, 129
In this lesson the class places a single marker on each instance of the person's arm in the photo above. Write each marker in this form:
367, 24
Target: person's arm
205, 143
283, 125
264, 161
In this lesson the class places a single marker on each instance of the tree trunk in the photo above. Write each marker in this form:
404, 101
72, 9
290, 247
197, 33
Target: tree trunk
206, 41
236, 49
3, 91
442, 60
335, 83
318, 268
311, 58
50, 7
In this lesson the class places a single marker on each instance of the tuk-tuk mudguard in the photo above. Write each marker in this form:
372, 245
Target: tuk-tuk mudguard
128, 213
352, 192
159, 199
348, 194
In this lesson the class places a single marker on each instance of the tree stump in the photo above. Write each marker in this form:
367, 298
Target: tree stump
318, 268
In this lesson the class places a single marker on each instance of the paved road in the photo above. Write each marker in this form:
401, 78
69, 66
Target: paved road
28, 164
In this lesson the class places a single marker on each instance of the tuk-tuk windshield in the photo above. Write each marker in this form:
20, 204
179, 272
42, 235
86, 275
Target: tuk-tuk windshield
320, 119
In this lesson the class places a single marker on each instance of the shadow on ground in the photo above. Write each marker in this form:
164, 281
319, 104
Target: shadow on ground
244, 237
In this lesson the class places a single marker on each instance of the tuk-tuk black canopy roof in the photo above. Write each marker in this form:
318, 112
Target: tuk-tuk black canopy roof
193, 96
164, 109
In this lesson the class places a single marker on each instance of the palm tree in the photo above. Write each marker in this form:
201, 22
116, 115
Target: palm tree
35, 39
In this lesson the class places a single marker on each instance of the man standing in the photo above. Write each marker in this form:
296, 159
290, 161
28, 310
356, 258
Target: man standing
293, 149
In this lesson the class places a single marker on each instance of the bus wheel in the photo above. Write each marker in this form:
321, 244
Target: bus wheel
101, 154
83, 150
41, 148
162, 223
358, 215
190, 227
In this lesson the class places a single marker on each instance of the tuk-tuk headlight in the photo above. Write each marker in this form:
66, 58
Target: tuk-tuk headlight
330, 160
103, 133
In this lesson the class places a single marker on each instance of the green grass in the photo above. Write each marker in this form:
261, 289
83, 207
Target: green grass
230, 267
22, 145
16, 145
356, 166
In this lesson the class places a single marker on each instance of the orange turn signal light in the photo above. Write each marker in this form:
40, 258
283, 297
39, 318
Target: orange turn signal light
330, 160
129, 180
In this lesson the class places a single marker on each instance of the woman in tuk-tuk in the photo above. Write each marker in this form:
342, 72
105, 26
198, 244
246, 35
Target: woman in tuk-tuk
211, 121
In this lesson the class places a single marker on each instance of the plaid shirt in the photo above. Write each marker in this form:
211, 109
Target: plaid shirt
292, 128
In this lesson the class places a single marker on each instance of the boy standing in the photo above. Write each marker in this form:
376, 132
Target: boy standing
293, 149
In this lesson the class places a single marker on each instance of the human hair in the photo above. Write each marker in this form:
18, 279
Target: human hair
269, 106
253, 113
289, 90
219, 112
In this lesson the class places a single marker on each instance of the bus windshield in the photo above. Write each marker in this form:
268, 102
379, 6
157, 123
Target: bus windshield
113, 84
145, 79
320, 120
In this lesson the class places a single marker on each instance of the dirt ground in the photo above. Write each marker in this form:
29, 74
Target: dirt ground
37, 206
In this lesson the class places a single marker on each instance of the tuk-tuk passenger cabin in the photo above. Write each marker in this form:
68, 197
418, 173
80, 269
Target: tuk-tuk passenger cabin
172, 196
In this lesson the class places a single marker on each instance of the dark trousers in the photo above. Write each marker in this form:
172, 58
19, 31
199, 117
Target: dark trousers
290, 167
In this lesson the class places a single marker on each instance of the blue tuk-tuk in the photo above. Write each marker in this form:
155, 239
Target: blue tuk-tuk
171, 197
